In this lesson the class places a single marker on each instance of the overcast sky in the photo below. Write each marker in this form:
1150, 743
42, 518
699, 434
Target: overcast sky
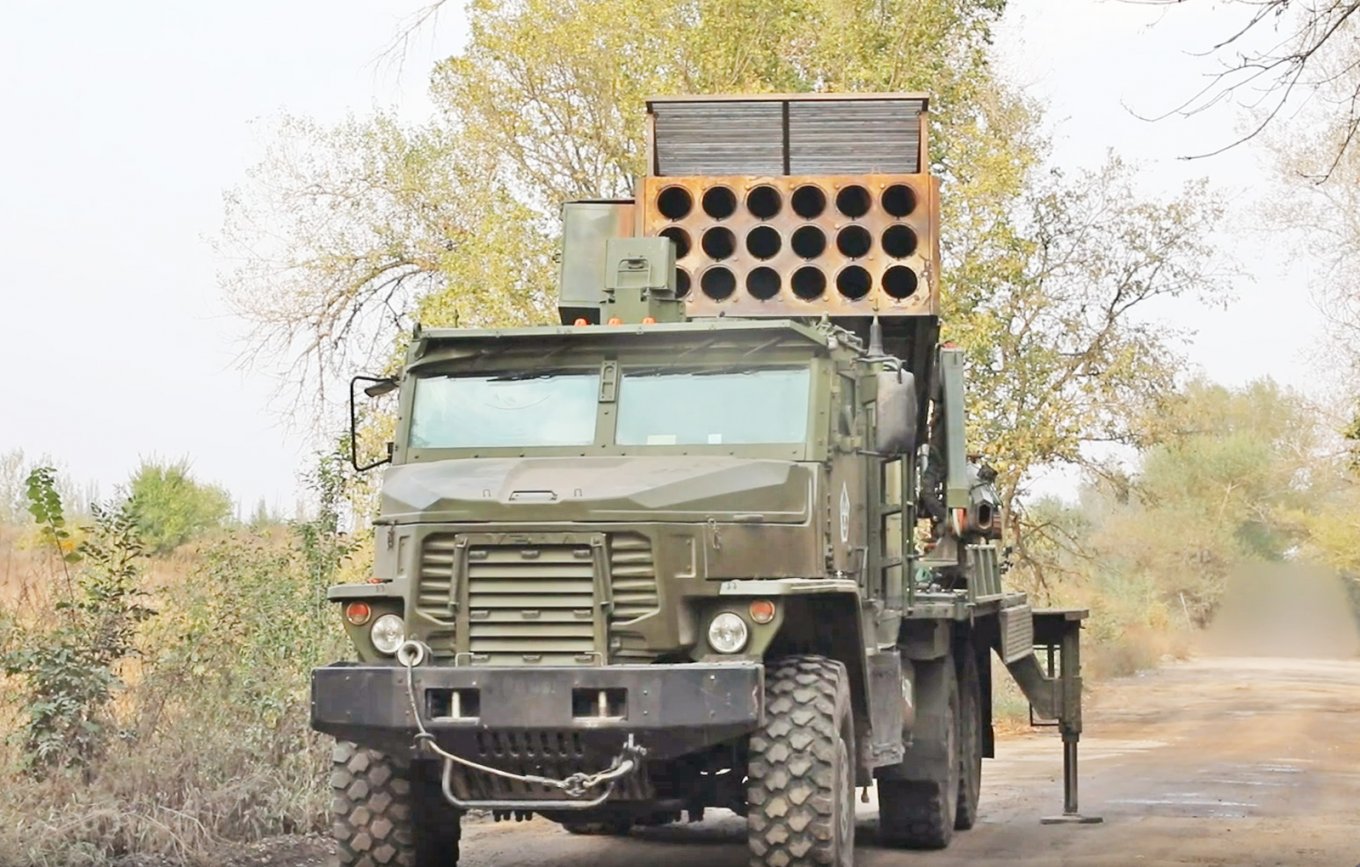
125, 122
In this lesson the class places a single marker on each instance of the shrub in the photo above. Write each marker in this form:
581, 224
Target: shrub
69, 668
172, 508
177, 735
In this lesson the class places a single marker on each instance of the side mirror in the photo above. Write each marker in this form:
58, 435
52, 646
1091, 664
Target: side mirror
381, 387
377, 387
895, 427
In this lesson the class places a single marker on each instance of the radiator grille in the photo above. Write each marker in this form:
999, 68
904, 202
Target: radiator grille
531, 603
632, 577
434, 599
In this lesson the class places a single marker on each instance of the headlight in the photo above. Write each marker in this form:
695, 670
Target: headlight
388, 633
727, 633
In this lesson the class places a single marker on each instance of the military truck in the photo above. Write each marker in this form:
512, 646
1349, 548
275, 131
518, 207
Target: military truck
714, 541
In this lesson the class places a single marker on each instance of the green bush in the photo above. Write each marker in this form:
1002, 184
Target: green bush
172, 508
68, 668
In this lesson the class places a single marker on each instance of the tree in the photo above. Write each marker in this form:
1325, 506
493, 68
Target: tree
13, 471
1233, 481
557, 89
171, 507
264, 517
69, 669
1320, 170
344, 236
1222, 491
1062, 354
16, 469
1295, 64
1351, 433
1320, 201
1308, 53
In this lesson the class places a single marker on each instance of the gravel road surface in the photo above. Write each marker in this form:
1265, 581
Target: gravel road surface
1216, 761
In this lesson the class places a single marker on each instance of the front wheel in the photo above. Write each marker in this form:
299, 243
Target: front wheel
385, 814
801, 768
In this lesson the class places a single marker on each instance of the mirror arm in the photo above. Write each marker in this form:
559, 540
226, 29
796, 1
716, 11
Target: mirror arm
354, 422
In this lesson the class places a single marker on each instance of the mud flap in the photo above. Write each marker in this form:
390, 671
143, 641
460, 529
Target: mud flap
890, 712
927, 757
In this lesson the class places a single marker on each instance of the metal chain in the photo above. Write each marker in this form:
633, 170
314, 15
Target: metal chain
577, 785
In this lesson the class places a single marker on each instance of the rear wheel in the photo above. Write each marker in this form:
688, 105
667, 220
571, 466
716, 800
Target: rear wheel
970, 738
801, 772
918, 800
385, 814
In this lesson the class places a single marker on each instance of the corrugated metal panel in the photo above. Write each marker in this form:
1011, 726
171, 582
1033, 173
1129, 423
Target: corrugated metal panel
719, 138
823, 136
434, 599
861, 136
1017, 633
632, 577
531, 603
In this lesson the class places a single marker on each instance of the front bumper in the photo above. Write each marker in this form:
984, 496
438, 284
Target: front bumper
668, 709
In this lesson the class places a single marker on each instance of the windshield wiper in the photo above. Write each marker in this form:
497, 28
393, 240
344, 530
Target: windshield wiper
707, 371
539, 374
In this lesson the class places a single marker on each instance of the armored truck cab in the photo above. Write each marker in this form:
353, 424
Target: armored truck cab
715, 541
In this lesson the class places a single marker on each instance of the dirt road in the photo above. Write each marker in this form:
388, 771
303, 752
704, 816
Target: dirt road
1218, 761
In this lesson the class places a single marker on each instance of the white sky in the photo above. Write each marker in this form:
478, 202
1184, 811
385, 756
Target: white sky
121, 124
1097, 62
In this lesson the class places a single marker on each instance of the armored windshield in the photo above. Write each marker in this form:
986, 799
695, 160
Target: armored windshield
663, 408
455, 412
700, 408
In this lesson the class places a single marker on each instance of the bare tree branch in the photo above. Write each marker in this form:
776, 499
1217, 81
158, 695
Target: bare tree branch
1268, 79
398, 48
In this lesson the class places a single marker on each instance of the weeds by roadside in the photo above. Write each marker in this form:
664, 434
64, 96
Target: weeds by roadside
168, 716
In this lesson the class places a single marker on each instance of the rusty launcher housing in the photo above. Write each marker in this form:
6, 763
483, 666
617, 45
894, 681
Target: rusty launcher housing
779, 206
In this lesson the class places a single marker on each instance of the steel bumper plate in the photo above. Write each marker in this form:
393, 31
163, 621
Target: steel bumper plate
671, 709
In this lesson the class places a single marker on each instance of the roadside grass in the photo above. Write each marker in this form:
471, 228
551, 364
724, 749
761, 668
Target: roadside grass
25, 568
208, 744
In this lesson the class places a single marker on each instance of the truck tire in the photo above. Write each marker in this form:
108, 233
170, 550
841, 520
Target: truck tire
918, 810
384, 815
970, 738
800, 788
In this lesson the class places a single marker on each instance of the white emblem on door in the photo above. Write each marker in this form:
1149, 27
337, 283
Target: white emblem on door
845, 514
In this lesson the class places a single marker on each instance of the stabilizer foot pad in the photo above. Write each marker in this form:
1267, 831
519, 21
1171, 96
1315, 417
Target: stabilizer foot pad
1071, 819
